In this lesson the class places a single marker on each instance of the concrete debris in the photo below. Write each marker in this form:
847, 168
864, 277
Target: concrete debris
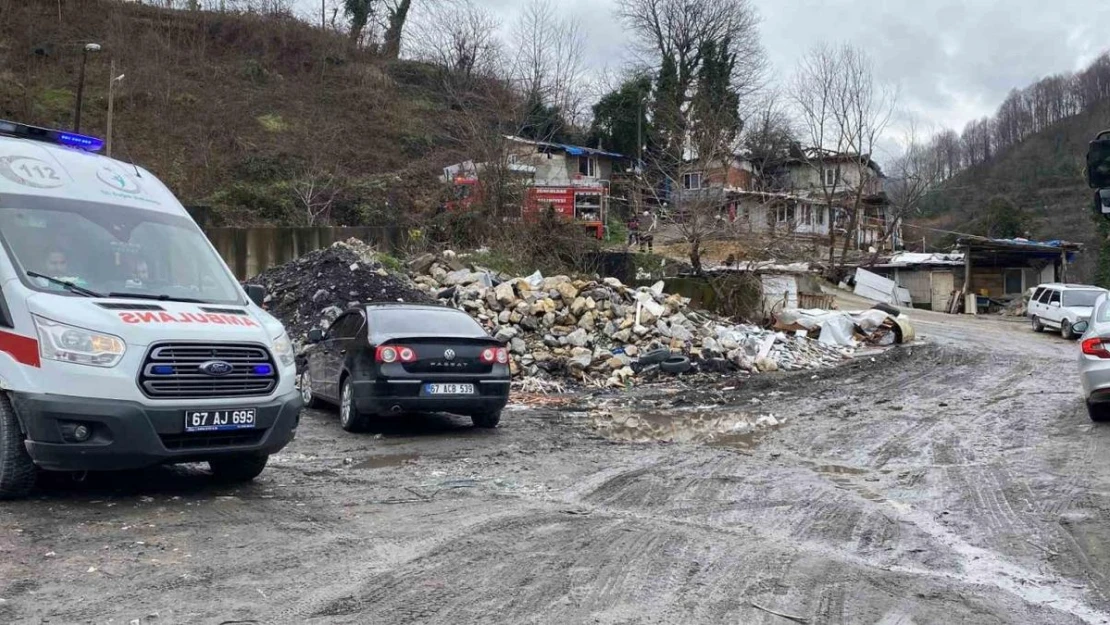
555, 327
593, 331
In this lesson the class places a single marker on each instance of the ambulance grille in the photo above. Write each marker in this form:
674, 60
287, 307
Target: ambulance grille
175, 371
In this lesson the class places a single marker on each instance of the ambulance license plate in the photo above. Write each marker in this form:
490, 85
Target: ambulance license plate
219, 420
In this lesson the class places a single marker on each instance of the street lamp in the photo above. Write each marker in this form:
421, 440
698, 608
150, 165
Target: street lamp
111, 99
89, 47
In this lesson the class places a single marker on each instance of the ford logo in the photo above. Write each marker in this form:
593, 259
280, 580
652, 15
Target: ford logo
216, 367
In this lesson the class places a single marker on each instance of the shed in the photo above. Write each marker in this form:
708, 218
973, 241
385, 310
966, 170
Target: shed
930, 279
988, 269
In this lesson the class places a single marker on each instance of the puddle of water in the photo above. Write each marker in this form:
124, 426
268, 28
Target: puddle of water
389, 460
692, 425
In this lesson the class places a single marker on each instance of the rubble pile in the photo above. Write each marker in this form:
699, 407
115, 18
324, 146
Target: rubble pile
606, 332
314, 289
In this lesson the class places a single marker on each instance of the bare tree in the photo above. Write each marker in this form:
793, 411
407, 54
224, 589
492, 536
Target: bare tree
679, 29
549, 65
911, 177
842, 112
460, 36
315, 191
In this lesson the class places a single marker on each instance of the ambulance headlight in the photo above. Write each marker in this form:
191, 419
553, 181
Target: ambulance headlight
283, 349
65, 343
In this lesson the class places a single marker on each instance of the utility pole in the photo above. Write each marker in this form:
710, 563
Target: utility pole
89, 47
112, 80
323, 25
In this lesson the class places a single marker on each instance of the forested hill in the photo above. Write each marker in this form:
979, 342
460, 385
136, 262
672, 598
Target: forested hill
1022, 171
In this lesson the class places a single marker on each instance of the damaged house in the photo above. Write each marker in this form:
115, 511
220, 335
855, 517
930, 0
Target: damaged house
808, 196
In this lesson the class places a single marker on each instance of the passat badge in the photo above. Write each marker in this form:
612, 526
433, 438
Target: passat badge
216, 368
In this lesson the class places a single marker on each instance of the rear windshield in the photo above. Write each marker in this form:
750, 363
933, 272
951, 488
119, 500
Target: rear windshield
1081, 298
423, 322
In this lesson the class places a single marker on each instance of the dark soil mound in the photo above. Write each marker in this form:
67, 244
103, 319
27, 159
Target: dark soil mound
314, 289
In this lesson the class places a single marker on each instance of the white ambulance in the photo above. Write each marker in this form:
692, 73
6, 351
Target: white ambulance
125, 341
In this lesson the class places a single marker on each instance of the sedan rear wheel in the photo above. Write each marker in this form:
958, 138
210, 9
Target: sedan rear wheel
349, 416
488, 420
1098, 411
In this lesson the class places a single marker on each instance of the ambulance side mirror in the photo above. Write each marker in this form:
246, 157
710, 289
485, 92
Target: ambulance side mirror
256, 292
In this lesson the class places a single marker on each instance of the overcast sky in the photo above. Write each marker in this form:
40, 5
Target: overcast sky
953, 60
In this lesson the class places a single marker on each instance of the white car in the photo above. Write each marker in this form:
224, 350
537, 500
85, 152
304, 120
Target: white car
1061, 306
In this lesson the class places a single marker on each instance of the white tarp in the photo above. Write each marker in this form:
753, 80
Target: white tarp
875, 287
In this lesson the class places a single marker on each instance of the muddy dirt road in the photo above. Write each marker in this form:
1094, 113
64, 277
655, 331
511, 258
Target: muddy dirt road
955, 482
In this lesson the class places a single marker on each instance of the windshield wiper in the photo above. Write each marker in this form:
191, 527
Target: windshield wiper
158, 297
69, 286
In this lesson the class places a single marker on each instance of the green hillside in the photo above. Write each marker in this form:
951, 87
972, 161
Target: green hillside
1044, 178
240, 112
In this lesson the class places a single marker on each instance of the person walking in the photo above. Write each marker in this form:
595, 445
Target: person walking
646, 230
633, 230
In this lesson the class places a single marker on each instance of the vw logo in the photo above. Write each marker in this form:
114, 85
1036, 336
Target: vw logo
216, 368
449, 354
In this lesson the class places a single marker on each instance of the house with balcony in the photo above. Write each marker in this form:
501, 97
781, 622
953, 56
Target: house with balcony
807, 196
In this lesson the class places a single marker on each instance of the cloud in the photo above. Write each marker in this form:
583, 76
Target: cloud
952, 60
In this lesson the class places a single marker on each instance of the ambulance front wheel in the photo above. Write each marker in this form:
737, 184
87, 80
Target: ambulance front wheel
17, 471
238, 468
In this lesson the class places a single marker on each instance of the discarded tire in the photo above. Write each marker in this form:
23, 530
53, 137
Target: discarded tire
675, 364
655, 356
887, 308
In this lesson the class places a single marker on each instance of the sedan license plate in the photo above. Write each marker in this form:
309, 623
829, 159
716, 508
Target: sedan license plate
448, 389
219, 420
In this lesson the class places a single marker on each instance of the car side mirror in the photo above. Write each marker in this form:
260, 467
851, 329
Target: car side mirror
1054, 304
1079, 327
315, 335
257, 293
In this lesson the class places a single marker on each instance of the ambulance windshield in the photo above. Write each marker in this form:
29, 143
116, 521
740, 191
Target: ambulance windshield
112, 249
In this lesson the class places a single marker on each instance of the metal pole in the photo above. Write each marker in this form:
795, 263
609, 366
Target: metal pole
111, 101
80, 91
323, 26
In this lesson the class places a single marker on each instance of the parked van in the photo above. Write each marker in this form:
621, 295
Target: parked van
1061, 306
125, 341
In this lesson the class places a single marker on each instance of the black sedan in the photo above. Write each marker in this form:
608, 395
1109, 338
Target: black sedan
404, 358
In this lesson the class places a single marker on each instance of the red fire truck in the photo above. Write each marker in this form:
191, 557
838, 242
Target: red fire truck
586, 205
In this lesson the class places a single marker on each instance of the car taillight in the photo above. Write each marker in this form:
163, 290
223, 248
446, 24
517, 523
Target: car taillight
1096, 347
491, 355
394, 353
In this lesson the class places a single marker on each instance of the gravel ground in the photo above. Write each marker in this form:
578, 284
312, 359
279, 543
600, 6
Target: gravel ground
958, 481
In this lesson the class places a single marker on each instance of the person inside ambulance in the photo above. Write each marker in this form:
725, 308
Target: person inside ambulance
56, 265
140, 276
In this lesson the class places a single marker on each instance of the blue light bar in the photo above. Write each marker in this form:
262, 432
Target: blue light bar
60, 137
85, 142
162, 369
263, 369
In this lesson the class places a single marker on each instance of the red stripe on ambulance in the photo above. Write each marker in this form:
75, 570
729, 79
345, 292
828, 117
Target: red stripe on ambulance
22, 349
